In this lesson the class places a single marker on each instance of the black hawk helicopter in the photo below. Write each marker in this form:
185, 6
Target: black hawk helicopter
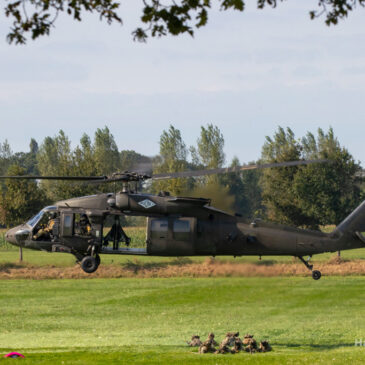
176, 226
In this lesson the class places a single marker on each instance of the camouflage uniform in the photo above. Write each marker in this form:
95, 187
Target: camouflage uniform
229, 340
195, 341
238, 345
208, 345
211, 338
85, 227
264, 346
250, 343
224, 350
46, 232
205, 347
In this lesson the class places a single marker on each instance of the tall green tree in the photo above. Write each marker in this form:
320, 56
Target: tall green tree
133, 161
210, 148
106, 154
278, 194
209, 154
27, 160
5, 157
19, 199
245, 189
327, 192
312, 195
172, 158
55, 158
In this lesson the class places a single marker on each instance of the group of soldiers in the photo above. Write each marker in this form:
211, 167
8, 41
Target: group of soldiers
231, 344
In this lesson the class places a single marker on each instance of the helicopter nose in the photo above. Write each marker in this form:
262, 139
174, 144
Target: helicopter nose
10, 236
16, 236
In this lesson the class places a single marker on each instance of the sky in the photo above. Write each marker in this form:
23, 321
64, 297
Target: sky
245, 72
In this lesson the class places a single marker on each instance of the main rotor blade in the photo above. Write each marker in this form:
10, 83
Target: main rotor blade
224, 170
72, 178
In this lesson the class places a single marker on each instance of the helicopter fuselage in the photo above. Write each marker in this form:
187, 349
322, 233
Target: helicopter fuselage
176, 226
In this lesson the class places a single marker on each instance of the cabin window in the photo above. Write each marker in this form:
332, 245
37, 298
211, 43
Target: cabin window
159, 228
181, 230
68, 225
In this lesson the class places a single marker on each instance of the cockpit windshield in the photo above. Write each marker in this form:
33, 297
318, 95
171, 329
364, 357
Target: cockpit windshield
34, 220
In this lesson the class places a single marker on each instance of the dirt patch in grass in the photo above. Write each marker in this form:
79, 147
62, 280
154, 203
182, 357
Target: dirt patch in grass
182, 268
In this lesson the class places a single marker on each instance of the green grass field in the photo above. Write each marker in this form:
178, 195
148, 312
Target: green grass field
148, 320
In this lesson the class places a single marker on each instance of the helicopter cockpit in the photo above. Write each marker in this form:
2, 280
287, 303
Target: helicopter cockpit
45, 224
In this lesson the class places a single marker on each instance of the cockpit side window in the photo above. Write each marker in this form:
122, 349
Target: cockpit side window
68, 225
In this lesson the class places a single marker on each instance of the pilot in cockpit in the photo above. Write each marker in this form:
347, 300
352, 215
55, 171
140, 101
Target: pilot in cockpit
45, 232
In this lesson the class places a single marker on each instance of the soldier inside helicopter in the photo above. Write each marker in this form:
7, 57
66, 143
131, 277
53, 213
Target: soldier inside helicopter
82, 225
45, 225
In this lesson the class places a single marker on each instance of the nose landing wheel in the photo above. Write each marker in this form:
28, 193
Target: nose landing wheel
90, 263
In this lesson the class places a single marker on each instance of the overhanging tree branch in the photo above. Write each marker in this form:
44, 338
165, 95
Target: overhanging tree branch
35, 18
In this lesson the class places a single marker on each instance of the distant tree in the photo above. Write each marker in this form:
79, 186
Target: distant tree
5, 157
209, 151
218, 194
106, 154
327, 192
27, 160
160, 18
19, 199
83, 164
55, 159
83, 157
172, 158
245, 188
278, 194
313, 195
133, 161
209, 154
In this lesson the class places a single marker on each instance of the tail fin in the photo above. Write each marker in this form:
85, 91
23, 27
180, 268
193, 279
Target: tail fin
355, 222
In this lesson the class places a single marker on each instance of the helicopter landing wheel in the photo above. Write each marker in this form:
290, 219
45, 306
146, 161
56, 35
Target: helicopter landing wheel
316, 274
89, 264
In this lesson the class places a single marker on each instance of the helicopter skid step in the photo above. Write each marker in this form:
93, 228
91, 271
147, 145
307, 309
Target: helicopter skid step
124, 251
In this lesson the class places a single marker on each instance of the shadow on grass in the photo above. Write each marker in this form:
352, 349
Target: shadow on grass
265, 263
6, 266
137, 265
317, 347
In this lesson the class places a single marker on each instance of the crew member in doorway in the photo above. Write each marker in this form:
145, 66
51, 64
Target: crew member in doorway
85, 226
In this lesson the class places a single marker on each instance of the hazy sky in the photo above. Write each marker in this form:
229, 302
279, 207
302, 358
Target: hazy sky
245, 72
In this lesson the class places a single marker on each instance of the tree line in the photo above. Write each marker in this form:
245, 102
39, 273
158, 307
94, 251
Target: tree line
307, 196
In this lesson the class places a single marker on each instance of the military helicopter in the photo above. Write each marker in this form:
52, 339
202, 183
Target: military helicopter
176, 226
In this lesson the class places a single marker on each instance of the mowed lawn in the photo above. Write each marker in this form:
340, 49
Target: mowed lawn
100, 321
